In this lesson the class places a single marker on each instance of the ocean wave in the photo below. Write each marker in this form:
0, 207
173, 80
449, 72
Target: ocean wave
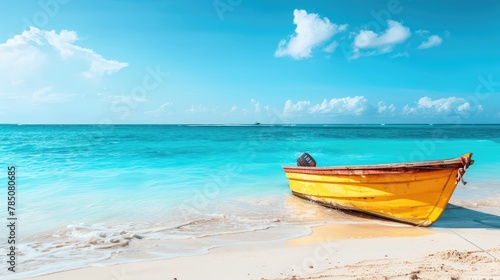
190, 231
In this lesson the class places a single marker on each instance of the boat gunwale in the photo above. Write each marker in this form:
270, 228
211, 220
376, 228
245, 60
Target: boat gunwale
395, 167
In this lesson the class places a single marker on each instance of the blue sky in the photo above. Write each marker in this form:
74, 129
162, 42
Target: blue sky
242, 61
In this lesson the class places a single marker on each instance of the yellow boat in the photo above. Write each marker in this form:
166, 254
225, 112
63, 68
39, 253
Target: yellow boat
412, 192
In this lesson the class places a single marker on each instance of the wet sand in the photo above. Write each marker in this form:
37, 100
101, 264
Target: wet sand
463, 244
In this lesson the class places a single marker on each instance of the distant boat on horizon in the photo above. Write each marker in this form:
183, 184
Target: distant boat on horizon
257, 123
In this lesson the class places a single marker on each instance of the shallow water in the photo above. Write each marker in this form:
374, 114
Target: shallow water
89, 193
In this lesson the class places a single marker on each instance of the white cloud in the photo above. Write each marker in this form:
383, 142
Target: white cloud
10, 96
382, 108
197, 109
422, 32
29, 50
395, 34
409, 110
464, 107
310, 32
441, 106
291, 108
356, 105
62, 42
127, 99
101, 66
256, 105
46, 95
160, 111
331, 47
346, 105
400, 54
432, 41
18, 56
268, 109
234, 108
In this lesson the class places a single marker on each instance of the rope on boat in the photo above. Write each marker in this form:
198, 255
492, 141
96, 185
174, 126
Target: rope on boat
461, 170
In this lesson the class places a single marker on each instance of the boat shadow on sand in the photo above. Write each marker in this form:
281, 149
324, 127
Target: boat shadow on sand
456, 216
453, 217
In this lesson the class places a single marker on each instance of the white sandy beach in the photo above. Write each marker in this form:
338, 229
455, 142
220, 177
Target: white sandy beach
464, 244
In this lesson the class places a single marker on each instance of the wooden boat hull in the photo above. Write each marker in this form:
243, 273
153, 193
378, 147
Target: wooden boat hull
415, 193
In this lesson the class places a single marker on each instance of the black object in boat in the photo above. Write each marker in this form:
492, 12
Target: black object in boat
306, 160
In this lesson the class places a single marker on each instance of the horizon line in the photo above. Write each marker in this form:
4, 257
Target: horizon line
248, 124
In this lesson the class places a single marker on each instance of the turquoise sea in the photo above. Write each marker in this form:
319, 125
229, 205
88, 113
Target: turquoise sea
107, 194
